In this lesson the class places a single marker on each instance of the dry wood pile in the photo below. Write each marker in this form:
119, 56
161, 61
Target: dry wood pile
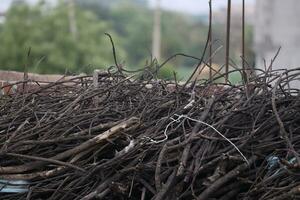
139, 139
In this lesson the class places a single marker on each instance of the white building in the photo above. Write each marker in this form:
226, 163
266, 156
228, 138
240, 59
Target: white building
277, 24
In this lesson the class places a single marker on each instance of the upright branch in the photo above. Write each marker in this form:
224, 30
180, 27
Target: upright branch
210, 41
118, 66
243, 42
227, 40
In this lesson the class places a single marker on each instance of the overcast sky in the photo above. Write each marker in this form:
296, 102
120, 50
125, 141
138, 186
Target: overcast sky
187, 6
195, 6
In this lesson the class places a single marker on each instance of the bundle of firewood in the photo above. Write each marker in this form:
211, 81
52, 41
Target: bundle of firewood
122, 137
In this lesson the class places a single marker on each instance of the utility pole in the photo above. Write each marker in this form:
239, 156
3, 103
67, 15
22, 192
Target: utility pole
72, 19
156, 36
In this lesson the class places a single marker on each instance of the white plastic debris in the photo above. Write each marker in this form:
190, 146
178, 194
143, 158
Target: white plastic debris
191, 101
149, 86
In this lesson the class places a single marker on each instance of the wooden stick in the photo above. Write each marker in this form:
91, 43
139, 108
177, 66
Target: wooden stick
84, 146
57, 162
210, 41
243, 43
221, 181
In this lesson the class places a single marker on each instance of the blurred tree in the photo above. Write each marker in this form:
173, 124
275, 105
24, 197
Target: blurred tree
46, 31
180, 34
103, 8
132, 23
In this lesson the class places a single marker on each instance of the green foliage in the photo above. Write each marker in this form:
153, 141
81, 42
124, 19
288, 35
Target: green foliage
181, 35
166, 72
132, 22
46, 31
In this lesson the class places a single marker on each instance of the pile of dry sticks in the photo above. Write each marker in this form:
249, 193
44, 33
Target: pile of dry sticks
132, 138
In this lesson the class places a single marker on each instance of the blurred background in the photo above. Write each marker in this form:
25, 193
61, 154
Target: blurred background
67, 36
